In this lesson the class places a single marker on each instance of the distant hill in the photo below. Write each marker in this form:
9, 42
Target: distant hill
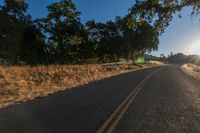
151, 57
181, 58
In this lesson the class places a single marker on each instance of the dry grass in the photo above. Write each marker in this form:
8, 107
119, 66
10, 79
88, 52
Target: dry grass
26, 83
191, 70
155, 62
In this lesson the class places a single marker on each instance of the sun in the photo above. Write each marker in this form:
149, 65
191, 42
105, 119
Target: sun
195, 49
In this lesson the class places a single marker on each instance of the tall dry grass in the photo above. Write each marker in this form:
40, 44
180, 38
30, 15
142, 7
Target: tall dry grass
191, 70
26, 83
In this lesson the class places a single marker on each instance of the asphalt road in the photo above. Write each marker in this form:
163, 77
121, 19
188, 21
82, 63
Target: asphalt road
168, 102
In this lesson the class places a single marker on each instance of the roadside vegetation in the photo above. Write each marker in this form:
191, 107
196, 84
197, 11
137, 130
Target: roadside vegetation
26, 83
191, 70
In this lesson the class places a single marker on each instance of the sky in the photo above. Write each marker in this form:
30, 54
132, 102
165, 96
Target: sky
183, 34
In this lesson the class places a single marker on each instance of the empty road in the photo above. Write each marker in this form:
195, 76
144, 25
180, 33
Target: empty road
155, 100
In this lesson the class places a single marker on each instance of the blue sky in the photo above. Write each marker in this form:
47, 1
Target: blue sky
183, 35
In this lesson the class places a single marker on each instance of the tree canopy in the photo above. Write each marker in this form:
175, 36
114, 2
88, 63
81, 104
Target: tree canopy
160, 12
61, 38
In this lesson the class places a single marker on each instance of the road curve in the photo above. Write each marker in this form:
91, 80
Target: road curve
168, 102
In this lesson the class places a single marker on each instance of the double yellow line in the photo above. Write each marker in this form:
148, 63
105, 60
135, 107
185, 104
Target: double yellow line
115, 117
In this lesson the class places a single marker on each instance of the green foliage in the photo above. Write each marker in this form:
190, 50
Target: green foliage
33, 49
106, 40
13, 20
60, 37
66, 35
139, 39
159, 13
19, 40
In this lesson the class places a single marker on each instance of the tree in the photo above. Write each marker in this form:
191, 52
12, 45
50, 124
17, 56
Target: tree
178, 58
162, 56
159, 13
138, 37
65, 32
106, 39
13, 16
20, 40
61, 38
34, 49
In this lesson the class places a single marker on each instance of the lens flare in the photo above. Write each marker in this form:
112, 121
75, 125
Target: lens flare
139, 60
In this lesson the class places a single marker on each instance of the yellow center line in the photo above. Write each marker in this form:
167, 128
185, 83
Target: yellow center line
115, 117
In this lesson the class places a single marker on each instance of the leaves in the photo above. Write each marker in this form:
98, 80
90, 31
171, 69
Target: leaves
61, 38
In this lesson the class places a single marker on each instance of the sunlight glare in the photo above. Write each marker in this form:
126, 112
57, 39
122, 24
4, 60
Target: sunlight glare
195, 49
